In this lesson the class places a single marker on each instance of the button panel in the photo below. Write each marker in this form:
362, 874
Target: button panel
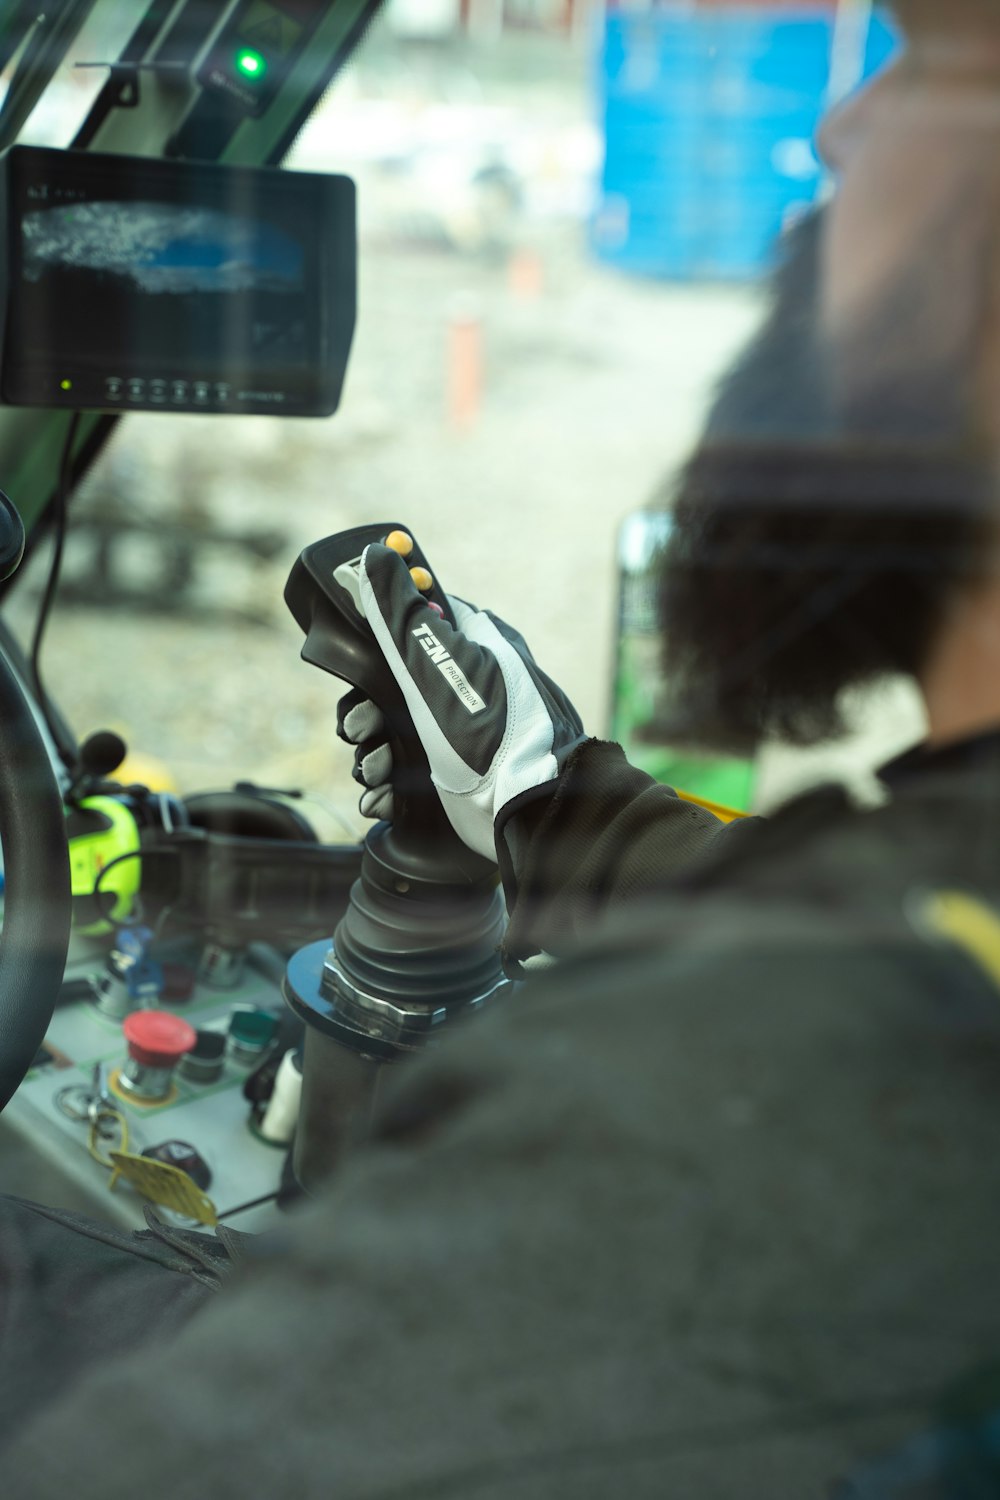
168, 391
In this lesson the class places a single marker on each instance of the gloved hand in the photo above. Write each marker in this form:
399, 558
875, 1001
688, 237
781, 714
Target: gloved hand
496, 730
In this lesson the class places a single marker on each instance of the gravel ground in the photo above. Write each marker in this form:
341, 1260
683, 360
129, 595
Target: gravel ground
591, 394
592, 389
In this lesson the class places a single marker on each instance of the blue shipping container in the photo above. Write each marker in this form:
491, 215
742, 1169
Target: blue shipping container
710, 120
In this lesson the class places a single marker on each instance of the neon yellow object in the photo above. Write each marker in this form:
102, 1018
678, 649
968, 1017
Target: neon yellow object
111, 832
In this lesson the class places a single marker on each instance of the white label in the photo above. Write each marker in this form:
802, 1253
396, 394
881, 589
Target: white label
449, 669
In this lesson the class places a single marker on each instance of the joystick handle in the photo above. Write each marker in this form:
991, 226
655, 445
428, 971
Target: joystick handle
323, 596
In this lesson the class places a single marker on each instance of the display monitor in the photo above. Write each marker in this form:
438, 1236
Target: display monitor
139, 284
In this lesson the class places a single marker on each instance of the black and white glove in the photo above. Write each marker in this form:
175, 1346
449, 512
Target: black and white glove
495, 729
361, 724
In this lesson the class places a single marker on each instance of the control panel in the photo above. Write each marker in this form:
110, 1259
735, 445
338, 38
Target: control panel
159, 1105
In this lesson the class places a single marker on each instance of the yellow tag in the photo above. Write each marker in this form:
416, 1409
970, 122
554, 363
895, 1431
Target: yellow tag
163, 1184
969, 924
722, 812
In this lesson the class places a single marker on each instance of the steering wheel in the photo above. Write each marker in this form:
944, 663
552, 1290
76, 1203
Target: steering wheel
37, 902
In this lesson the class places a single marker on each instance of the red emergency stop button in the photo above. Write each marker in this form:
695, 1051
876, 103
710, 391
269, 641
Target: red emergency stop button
156, 1039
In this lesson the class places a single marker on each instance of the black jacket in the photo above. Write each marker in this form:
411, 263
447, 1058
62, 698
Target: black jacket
713, 1212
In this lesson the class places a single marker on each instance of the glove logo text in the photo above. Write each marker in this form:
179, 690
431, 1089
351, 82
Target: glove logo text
449, 669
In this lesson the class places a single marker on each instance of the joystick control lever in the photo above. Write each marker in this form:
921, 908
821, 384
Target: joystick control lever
420, 940
324, 597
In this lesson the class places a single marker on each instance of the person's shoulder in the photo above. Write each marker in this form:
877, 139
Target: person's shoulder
868, 916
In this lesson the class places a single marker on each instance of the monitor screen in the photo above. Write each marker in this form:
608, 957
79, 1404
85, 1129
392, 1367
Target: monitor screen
138, 283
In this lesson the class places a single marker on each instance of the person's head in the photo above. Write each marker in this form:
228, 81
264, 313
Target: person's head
910, 261
843, 495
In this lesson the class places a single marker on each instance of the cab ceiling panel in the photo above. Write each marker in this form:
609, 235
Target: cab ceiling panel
215, 81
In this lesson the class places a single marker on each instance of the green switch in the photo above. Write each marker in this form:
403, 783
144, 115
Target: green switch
250, 63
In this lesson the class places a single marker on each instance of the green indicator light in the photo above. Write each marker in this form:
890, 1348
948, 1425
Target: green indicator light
250, 63
65, 385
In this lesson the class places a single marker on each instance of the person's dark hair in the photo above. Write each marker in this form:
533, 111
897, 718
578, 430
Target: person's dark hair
770, 609
807, 557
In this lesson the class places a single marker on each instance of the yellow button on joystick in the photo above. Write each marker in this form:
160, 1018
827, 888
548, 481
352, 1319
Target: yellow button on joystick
422, 579
400, 542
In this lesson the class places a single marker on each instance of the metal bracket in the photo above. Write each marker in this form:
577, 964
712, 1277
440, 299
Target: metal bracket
124, 77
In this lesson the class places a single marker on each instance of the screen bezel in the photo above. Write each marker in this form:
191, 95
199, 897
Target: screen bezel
321, 206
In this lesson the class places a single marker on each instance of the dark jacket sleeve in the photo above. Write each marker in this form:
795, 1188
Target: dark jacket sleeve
698, 1225
609, 835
